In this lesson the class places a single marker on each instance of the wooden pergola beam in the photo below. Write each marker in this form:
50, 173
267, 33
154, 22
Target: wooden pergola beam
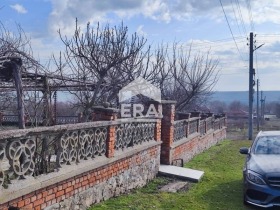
13, 65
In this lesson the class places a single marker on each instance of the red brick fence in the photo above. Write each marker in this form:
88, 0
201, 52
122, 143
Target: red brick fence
184, 138
76, 165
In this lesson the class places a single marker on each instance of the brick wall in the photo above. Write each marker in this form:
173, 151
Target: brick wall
79, 192
181, 140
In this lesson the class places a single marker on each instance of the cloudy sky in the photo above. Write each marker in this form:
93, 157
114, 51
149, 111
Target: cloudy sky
202, 23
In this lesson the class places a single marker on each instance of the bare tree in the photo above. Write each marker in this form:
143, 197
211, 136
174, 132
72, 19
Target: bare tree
65, 109
185, 77
237, 106
102, 59
17, 45
270, 107
218, 106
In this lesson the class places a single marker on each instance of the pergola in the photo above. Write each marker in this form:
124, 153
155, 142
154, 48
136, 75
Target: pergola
13, 78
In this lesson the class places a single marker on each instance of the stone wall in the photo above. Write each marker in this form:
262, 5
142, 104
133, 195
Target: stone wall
130, 173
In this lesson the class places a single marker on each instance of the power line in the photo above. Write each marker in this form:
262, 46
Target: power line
269, 34
241, 17
231, 30
236, 19
257, 67
227, 39
205, 44
250, 15
242, 73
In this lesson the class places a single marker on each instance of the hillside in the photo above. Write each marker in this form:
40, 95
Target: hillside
242, 96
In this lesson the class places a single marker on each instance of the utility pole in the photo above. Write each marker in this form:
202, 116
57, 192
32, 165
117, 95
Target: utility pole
258, 120
251, 85
251, 74
262, 108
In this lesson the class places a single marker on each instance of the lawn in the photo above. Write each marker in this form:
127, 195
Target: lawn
220, 188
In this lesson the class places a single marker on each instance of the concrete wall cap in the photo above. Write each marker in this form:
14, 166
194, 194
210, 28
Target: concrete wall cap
107, 110
168, 102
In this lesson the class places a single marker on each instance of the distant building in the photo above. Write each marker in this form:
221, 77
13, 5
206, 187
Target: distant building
237, 114
270, 117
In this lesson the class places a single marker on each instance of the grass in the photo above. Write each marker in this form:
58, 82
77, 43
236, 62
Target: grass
220, 188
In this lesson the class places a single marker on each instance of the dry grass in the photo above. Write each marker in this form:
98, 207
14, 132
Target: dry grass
238, 130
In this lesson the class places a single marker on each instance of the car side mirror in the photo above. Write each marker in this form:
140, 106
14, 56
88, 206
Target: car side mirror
244, 150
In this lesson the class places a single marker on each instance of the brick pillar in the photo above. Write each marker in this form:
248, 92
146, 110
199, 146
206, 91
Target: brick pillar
167, 125
104, 114
158, 130
107, 114
111, 137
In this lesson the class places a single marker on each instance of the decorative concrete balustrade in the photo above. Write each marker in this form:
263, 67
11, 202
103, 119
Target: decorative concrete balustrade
30, 153
76, 165
37, 151
180, 129
187, 127
193, 135
130, 134
198, 123
219, 122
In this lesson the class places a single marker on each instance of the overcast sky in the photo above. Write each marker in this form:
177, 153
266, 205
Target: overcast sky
202, 23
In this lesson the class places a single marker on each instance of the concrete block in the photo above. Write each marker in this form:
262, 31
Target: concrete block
180, 172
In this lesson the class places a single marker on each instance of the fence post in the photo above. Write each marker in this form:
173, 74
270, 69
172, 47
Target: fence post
209, 121
111, 138
197, 114
167, 125
158, 130
225, 120
188, 125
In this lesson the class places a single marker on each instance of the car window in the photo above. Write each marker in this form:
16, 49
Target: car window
268, 145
